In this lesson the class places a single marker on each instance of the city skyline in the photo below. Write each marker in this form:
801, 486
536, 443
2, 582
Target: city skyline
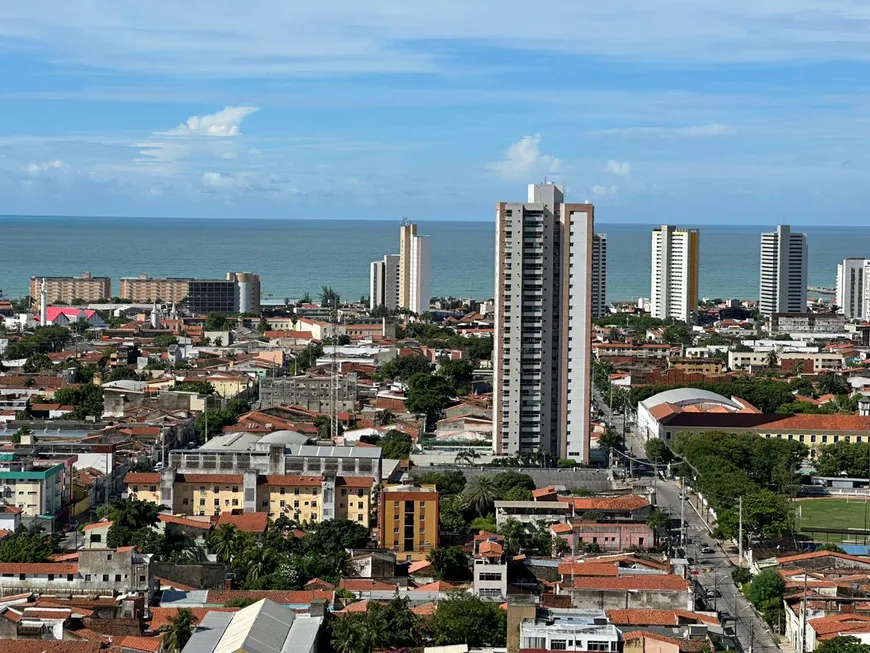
298, 110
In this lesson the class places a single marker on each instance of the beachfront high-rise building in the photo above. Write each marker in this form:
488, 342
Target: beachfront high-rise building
852, 287
239, 292
414, 263
384, 283
783, 272
599, 274
86, 288
674, 274
544, 261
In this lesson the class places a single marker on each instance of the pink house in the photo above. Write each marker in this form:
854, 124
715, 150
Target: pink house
610, 536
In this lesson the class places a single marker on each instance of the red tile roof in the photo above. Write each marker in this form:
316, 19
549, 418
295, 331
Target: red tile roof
165, 582
142, 478
588, 569
364, 585
839, 623
183, 521
638, 617
290, 481
149, 644
437, 586
319, 583
249, 522
160, 616
661, 582
99, 524
355, 608
49, 646
625, 502
355, 481
822, 554
424, 609
207, 479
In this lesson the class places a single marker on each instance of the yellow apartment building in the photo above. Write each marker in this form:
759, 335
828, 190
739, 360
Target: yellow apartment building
88, 288
408, 520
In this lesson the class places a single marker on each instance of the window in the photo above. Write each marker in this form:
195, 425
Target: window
184, 502
105, 578
235, 502
360, 505
296, 503
598, 646
202, 502
490, 576
265, 503
69, 577
295, 490
359, 493
21, 576
283, 490
282, 504
152, 488
314, 491
344, 493
359, 517
217, 502
117, 578
558, 644
108, 556
235, 488
215, 489
141, 579
96, 537
135, 488
313, 504
87, 577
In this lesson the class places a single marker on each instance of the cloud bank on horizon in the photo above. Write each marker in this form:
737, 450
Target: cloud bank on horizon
681, 112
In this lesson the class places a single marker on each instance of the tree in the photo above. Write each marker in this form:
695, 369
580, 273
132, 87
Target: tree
216, 322
20, 433
354, 633
329, 297
336, 535
447, 483
658, 521
518, 494
450, 563
122, 373
504, 482
164, 340
225, 542
478, 349
678, 333
199, 387
834, 384
37, 363
178, 630
462, 618
772, 359
459, 373
842, 644
28, 545
428, 394
402, 368
396, 445
765, 592
451, 515
656, 450
262, 325
513, 531
480, 493
610, 439
486, 524
87, 400
218, 342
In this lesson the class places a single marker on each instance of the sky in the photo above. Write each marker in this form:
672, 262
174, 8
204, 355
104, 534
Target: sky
685, 112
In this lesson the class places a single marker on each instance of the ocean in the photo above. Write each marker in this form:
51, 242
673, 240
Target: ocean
293, 257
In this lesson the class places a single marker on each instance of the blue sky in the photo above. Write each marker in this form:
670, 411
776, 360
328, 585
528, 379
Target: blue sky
679, 111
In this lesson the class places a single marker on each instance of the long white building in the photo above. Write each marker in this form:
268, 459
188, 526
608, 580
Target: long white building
853, 276
599, 275
674, 273
544, 304
418, 281
783, 272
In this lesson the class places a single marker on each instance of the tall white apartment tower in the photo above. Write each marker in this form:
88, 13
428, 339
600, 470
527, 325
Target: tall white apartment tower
674, 274
599, 275
852, 295
783, 272
543, 304
384, 283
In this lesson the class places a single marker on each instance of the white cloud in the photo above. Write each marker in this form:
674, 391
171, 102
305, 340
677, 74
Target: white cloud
690, 131
223, 123
214, 182
39, 169
618, 168
524, 159
605, 191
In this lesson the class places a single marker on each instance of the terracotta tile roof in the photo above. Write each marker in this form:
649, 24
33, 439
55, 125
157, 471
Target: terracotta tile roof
160, 616
319, 583
682, 644
149, 644
625, 502
588, 569
91, 635
183, 521
638, 617
99, 524
290, 481
64, 557
420, 565
838, 623
661, 582
492, 548
364, 585
60, 568
424, 609
355, 608
282, 597
249, 522
822, 554
142, 478
74, 609
46, 615
212, 479
561, 528
355, 481
49, 646
165, 582
437, 586
544, 491
821, 422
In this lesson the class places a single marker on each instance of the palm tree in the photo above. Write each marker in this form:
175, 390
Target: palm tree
480, 494
512, 531
772, 359
258, 562
178, 630
224, 542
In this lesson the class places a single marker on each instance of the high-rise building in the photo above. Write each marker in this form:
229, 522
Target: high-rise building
674, 274
239, 292
599, 275
853, 275
384, 283
414, 263
783, 272
87, 288
408, 520
544, 302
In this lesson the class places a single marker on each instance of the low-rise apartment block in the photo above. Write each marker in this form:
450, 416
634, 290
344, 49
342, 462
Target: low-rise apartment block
239, 292
408, 520
87, 288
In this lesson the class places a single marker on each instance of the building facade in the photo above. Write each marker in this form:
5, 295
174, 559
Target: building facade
853, 275
384, 283
408, 520
35, 490
239, 292
674, 283
543, 305
87, 288
783, 272
599, 275
418, 301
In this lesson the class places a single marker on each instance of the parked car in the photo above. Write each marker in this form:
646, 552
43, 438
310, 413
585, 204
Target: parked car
706, 549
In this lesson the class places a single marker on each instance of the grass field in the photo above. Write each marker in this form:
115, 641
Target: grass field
832, 513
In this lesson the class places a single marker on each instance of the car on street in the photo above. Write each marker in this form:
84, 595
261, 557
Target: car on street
711, 593
724, 616
706, 549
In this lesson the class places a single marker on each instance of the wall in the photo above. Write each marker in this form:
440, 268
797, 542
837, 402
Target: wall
597, 480
207, 576
623, 600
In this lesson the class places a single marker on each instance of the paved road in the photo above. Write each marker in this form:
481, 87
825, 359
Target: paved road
714, 570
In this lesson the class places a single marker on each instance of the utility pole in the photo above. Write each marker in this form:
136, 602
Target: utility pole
740, 529
683, 514
804, 616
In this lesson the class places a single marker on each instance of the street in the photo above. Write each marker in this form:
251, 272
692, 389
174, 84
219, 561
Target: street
712, 571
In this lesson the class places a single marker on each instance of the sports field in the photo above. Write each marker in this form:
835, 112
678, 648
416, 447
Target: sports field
832, 513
